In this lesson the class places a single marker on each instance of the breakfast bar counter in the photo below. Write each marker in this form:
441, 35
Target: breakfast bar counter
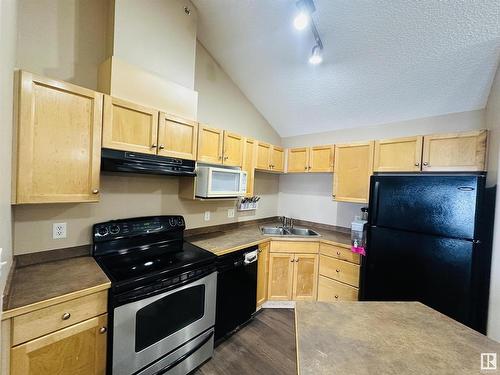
359, 338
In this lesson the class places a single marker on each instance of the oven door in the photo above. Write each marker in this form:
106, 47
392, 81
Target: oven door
148, 329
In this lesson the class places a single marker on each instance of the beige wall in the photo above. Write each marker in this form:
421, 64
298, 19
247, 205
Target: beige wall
493, 123
309, 197
63, 39
222, 104
124, 196
158, 36
8, 12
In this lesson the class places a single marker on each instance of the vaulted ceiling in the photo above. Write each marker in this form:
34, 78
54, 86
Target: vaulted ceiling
384, 60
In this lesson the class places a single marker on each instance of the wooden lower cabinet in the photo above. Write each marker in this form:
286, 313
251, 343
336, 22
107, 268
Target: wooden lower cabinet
339, 270
305, 277
262, 273
292, 276
280, 277
330, 290
79, 349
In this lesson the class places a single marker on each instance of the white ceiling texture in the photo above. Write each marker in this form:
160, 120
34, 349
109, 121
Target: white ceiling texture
384, 61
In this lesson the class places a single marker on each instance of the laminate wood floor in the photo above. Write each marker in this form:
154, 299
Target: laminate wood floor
264, 346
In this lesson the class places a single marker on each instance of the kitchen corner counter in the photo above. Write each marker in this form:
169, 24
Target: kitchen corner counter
385, 338
39, 285
225, 241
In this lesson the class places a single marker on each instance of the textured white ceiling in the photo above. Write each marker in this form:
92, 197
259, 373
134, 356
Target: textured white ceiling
384, 61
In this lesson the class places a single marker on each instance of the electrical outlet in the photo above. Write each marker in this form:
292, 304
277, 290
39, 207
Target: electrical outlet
207, 215
58, 231
230, 212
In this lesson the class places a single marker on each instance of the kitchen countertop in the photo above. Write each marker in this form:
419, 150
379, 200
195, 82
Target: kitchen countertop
361, 338
225, 241
39, 285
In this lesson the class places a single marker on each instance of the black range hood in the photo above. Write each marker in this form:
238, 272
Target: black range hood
135, 162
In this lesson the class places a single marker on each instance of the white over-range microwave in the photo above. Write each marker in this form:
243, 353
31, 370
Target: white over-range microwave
215, 182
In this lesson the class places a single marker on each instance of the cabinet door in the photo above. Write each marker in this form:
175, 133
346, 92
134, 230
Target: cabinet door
233, 149
77, 350
249, 159
263, 156
330, 290
321, 159
280, 281
210, 144
398, 155
305, 277
57, 142
129, 127
461, 152
277, 159
298, 160
353, 168
262, 273
177, 138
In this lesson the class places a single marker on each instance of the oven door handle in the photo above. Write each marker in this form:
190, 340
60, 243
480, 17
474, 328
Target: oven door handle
185, 356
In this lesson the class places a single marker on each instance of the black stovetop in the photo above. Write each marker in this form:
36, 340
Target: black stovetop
140, 251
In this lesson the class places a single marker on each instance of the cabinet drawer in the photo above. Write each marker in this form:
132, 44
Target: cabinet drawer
339, 270
294, 247
49, 319
339, 253
331, 290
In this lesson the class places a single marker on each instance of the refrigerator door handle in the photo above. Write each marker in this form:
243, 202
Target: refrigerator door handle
374, 204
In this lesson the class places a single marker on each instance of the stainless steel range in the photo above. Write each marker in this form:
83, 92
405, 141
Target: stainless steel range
162, 296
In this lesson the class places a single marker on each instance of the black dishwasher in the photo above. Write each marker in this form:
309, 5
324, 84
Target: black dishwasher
236, 290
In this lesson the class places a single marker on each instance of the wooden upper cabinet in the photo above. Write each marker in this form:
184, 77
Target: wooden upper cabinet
262, 273
210, 141
461, 152
321, 158
233, 149
129, 127
353, 168
79, 349
280, 283
298, 160
305, 277
177, 137
249, 160
56, 142
277, 159
398, 155
263, 156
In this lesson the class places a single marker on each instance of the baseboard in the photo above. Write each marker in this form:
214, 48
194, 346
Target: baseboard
278, 305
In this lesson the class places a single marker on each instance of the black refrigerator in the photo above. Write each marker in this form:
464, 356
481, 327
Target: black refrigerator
429, 240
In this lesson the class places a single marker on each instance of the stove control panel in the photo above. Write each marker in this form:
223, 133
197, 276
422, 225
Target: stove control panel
117, 229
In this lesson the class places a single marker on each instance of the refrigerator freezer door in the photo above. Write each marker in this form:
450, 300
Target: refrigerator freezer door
405, 266
440, 205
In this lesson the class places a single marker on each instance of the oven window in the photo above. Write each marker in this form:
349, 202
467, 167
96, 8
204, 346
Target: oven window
168, 315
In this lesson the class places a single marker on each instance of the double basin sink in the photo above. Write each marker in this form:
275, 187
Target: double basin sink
280, 231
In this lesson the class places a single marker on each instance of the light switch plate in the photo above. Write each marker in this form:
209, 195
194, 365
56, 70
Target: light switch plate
58, 231
207, 215
230, 212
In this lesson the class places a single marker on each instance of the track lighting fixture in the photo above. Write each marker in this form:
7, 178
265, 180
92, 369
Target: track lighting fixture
304, 17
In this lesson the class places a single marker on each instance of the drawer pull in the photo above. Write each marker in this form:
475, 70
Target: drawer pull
66, 316
337, 270
103, 330
336, 297
338, 253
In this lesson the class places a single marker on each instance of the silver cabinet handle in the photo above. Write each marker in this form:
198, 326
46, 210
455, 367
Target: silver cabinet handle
305, 168
66, 316
103, 330
333, 196
95, 191
337, 270
162, 147
417, 164
153, 145
336, 297
426, 164
338, 253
